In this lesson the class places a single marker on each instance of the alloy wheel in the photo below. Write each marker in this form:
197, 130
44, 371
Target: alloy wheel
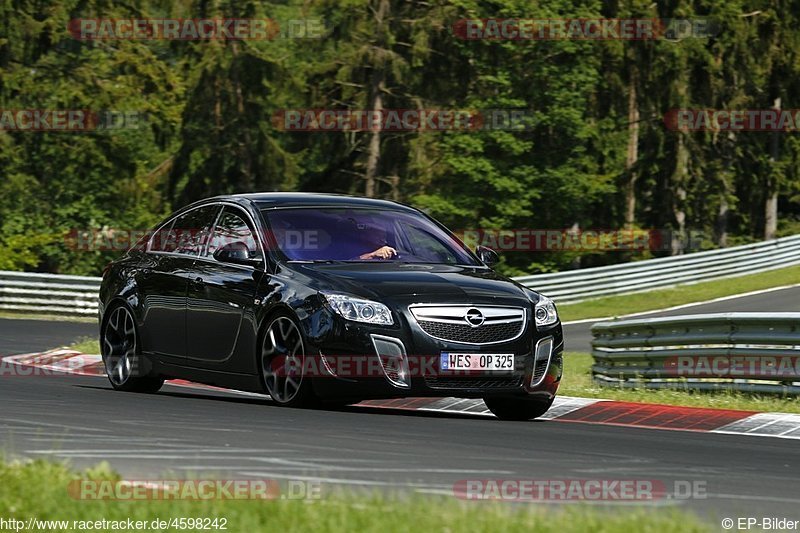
282, 359
119, 346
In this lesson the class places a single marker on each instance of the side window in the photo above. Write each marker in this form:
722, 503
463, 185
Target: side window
162, 239
232, 230
188, 234
192, 229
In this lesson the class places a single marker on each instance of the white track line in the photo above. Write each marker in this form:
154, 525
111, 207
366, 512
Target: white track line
683, 306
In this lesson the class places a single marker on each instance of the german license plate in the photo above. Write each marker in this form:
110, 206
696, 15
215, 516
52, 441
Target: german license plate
476, 361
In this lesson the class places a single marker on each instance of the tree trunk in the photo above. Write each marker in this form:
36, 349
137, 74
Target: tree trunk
679, 200
374, 147
771, 207
246, 180
394, 183
377, 86
632, 153
575, 230
722, 217
726, 148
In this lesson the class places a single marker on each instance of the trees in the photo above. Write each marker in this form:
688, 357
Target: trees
56, 182
227, 143
593, 152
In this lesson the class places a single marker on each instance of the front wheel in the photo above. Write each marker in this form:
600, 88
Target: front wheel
125, 367
283, 362
517, 408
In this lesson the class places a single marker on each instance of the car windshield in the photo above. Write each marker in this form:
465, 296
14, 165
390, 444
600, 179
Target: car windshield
362, 234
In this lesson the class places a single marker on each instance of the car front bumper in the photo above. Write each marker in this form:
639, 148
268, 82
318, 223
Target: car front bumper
348, 366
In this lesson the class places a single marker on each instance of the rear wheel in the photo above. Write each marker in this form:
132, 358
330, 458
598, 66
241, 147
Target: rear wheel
283, 363
126, 368
517, 408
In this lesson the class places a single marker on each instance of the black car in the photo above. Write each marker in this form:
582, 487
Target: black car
317, 298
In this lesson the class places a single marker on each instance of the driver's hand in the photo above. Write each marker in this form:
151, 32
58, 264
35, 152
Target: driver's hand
384, 252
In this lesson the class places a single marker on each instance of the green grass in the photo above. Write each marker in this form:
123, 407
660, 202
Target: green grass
658, 299
48, 317
577, 381
39, 490
87, 345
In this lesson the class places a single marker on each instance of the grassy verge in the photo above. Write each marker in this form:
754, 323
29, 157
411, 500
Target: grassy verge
48, 317
87, 345
658, 299
39, 490
577, 381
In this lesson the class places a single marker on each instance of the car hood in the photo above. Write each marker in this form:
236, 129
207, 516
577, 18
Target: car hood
414, 282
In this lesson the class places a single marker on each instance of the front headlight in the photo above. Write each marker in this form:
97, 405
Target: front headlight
359, 310
545, 312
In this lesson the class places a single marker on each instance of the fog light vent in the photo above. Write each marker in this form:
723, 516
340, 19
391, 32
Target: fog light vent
541, 361
326, 365
392, 355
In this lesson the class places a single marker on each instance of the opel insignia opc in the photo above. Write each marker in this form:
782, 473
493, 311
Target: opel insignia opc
325, 299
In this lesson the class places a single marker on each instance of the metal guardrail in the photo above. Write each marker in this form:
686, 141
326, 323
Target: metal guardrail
77, 295
755, 352
577, 285
48, 293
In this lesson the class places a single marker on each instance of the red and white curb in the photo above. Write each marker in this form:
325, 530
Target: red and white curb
564, 409
53, 362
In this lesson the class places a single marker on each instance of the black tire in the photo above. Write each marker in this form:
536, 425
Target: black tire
281, 361
506, 408
126, 368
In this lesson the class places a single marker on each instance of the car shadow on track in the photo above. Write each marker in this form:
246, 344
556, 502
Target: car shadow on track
230, 397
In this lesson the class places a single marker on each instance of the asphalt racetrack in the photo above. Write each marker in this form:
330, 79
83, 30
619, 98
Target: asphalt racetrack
191, 432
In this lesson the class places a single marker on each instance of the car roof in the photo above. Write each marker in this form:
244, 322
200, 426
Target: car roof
266, 200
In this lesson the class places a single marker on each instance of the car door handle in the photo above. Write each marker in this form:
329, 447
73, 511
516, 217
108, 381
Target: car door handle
198, 282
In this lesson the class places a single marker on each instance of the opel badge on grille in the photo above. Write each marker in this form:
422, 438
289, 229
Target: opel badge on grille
474, 317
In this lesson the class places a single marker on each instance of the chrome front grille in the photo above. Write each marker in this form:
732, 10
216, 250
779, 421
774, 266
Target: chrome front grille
470, 324
468, 334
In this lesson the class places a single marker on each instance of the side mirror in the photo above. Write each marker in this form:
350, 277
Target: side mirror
236, 253
487, 255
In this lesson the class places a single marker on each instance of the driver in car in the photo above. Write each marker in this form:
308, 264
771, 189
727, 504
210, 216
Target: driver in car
384, 252
376, 238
